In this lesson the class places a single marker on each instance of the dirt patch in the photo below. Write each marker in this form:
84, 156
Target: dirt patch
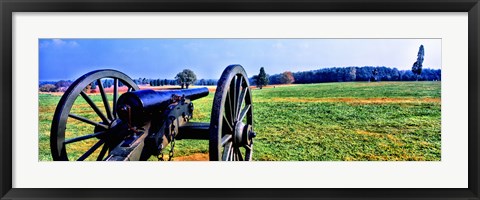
212, 89
357, 100
363, 132
273, 86
193, 157
390, 137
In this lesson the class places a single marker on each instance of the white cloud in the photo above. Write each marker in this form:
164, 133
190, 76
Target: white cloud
58, 43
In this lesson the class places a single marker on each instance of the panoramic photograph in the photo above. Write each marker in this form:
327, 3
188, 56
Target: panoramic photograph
191, 99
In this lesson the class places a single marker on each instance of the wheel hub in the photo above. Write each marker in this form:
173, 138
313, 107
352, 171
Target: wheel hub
243, 134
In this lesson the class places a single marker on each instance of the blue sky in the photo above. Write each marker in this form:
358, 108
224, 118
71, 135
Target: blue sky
68, 59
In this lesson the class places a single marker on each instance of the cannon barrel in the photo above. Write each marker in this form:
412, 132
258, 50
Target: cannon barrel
137, 107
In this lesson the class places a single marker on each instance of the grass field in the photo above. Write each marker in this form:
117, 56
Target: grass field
315, 122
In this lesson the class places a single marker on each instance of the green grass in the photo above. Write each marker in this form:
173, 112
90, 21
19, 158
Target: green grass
319, 122
355, 89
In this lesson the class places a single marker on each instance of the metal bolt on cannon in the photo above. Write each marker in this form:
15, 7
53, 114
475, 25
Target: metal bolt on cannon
142, 123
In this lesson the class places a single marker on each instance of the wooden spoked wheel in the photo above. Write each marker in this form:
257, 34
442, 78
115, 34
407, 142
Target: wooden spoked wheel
231, 125
81, 126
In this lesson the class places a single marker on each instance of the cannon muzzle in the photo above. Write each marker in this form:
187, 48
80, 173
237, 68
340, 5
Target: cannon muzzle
137, 107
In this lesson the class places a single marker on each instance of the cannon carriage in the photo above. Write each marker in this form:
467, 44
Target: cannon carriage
139, 124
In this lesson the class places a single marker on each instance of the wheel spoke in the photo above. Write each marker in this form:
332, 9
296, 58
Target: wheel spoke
235, 153
91, 150
244, 112
232, 153
241, 97
115, 96
248, 152
239, 154
226, 151
95, 108
233, 97
227, 123
238, 86
228, 108
83, 119
226, 138
102, 152
104, 99
83, 137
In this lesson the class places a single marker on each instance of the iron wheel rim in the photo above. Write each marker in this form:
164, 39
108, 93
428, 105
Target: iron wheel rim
232, 115
64, 107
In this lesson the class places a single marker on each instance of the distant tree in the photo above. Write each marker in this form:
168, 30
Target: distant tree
186, 77
374, 75
107, 83
63, 83
417, 66
407, 75
211, 82
47, 88
62, 86
261, 79
93, 85
349, 74
438, 75
202, 82
395, 74
363, 74
287, 78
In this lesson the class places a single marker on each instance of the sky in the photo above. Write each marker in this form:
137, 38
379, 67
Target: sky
68, 59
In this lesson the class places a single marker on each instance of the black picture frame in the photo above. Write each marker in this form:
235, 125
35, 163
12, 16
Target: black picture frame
8, 7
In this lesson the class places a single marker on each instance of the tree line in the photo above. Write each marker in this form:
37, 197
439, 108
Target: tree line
347, 74
184, 78
352, 73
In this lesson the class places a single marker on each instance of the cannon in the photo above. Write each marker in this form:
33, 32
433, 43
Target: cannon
140, 123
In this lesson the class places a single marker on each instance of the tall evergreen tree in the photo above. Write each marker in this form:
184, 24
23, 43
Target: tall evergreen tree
417, 66
262, 78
